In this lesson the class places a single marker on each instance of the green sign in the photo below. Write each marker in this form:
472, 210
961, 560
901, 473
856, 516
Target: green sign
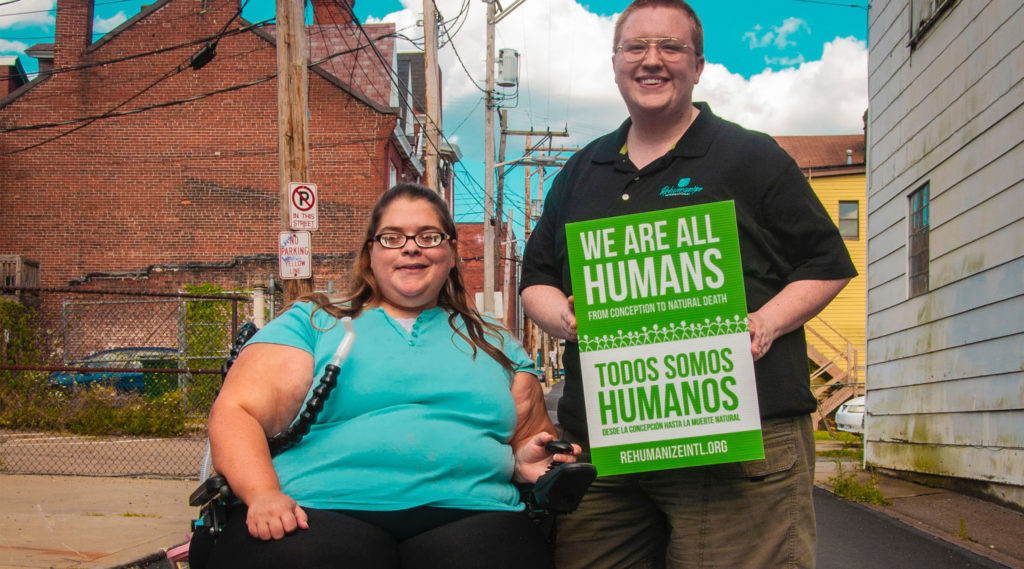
664, 347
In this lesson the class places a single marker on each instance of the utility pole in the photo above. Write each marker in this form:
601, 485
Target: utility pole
433, 138
500, 198
490, 253
535, 341
526, 176
292, 110
489, 164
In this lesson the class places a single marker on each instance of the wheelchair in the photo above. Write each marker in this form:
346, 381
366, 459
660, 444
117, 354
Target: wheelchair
558, 491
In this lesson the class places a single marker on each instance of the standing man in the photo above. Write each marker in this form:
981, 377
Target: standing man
672, 152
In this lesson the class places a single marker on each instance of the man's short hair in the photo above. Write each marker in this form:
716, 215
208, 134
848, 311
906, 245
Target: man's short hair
697, 28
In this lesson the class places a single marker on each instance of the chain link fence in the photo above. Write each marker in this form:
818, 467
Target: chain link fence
115, 383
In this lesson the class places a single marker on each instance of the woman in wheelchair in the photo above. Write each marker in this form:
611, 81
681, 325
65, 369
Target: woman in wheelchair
413, 459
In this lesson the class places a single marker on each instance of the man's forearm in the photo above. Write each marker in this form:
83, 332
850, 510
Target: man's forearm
548, 306
788, 310
800, 301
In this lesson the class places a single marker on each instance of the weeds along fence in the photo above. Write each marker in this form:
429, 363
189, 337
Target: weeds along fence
111, 383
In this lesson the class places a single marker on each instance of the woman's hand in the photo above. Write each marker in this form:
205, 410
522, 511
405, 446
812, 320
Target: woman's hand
272, 515
532, 459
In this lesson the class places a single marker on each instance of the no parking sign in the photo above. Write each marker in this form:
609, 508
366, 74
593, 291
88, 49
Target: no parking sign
295, 255
302, 206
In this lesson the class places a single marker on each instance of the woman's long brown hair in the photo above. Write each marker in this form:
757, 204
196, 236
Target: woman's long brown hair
365, 292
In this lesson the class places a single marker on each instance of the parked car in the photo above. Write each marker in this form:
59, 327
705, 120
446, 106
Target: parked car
129, 357
850, 416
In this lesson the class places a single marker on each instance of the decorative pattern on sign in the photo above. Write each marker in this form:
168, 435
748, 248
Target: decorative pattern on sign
671, 332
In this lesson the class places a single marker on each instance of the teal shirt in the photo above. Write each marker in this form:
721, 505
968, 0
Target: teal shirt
415, 419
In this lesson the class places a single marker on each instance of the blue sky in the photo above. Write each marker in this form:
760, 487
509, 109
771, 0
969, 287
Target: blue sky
780, 66
745, 35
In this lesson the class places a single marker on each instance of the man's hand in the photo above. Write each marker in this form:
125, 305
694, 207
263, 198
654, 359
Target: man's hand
788, 310
273, 515
550, 309
569, 322
762, 334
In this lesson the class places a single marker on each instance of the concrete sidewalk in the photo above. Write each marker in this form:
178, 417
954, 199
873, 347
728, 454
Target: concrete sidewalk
985, 528
83, 522
87, 522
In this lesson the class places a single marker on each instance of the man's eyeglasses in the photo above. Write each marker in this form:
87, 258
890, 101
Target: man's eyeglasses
424, 239
670, 49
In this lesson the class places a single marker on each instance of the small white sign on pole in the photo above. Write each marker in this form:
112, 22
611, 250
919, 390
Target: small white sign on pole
302, 206
295, 255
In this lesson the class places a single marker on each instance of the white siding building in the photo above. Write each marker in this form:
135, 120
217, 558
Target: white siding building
945, 282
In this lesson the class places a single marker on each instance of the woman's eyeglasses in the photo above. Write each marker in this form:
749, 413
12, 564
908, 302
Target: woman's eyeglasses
424, 239
669, 49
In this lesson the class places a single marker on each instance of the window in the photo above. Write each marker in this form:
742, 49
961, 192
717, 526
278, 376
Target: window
918, 251
924, 14
849, 220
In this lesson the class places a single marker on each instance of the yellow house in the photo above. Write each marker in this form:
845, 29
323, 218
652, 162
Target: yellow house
835, 167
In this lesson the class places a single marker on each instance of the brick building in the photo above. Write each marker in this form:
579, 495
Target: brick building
506, 272
122, 166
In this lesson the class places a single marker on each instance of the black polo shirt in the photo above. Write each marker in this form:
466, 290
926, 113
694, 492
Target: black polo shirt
785, 233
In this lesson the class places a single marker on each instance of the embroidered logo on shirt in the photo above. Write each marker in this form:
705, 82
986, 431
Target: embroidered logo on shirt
682, 188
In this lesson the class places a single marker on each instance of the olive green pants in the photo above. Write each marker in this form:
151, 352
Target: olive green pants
757, 514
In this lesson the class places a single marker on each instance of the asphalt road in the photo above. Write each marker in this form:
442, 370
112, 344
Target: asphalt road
852, 536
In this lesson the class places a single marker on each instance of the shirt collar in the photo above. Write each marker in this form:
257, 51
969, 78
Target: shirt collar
695, 142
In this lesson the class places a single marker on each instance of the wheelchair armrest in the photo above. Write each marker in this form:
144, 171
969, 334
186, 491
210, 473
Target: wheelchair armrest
212, 497
560, 489
213, 488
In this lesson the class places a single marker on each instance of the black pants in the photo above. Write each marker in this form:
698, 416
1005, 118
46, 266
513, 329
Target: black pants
381, 540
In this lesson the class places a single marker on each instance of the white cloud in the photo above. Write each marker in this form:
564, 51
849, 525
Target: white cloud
12, 46
789, 27
566, 78
758, 42
779, 36
784, 61
27, 13
827, 96
104, 25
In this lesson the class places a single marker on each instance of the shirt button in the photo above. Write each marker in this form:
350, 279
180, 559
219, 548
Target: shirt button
625, 197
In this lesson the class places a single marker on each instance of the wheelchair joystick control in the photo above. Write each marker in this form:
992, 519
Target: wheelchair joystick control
557, 447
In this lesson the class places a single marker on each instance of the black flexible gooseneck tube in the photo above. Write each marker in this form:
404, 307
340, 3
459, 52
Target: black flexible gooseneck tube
300, 428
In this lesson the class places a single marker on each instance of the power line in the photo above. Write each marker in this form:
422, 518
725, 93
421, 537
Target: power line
841, 5
112, 113
393, 77
108, 115
54, 9
355, 64
93, 118
451, 42
243, 29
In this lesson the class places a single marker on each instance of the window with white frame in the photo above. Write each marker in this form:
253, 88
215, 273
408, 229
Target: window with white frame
849, 219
